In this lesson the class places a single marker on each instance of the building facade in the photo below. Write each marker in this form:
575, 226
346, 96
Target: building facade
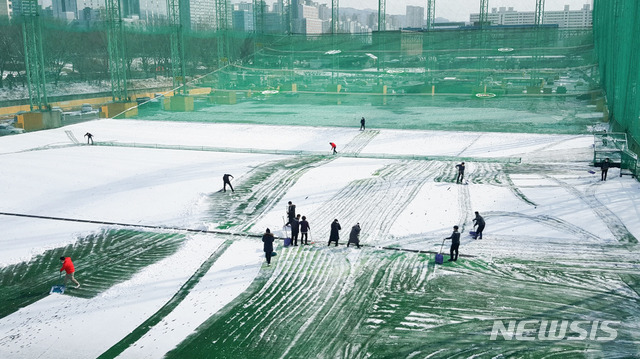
566, 18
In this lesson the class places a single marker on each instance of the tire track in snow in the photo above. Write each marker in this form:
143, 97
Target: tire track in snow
359, 142
262, 188
610, 219
381, 194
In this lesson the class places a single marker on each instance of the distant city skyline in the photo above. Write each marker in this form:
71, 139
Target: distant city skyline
460, 10
453, 10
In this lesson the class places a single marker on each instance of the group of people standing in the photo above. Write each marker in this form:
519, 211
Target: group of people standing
300, 227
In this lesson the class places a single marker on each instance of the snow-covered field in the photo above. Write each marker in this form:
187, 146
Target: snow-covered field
559, 243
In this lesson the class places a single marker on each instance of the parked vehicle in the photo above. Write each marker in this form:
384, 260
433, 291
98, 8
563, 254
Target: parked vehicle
7, 129
86, 108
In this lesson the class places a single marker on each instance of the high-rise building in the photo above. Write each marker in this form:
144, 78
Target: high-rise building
202, 14
243, 20
564, 19
153, 11
65, 9
130, 8
6, 8
414, 17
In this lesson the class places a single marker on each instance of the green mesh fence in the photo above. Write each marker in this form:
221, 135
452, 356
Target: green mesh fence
616, 27
521, 79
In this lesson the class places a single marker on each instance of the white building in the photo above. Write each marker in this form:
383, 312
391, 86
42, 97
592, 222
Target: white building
564, 19
414, 17
202, 14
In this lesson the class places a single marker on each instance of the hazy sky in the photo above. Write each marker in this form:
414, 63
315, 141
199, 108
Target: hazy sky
459, 10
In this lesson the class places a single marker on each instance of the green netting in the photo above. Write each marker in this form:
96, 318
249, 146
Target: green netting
616, 27
521, 78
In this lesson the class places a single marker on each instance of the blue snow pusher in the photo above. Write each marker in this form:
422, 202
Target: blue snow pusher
473, 234
58, 288
439, 256
287, 242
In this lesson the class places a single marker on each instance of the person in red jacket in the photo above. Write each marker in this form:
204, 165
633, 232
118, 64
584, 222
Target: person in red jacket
333, 147
67, 266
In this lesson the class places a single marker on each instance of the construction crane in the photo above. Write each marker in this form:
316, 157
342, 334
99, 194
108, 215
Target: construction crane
33, 55
117, 61
382, 15
539, 12
431, 13
178, 71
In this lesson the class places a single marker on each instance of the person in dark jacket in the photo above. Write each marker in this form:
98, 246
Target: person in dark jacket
291, 212
362, 120
455, 243
295, 229
354, 236
304, 230
478, 221
267, 239
89, 137
335, 235
67, 266
604, 168
460, 168
227, 181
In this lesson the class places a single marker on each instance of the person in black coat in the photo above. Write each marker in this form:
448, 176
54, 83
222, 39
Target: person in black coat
354, 236
455, 243
227, 181
362, 124
604, 168
304, 230
295, 229
267, 239
460, 168
478, 221
335, 235
291, 212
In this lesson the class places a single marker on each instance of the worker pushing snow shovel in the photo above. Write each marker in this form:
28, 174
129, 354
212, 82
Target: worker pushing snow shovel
67, 266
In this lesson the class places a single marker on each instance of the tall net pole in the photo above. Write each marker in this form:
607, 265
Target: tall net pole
335, 20
382, 10
178, 71
484, 12
431, 13
285, 16
117, 61
539, 18
258, 16
222, 25
539, 12
34, 55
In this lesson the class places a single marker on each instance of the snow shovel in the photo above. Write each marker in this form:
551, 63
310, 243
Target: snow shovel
287, 239
58, 288
439, 256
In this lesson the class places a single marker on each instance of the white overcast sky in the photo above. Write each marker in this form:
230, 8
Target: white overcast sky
459, 10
